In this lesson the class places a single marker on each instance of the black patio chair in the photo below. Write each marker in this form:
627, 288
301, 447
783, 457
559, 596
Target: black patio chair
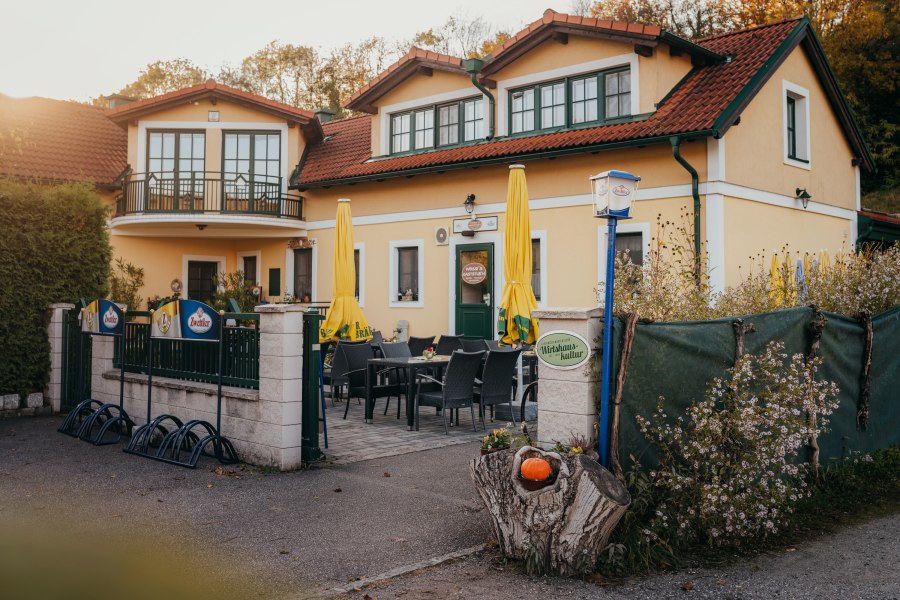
334, 374
417, 345
448, 344
496, 346
476, 345
377, 338
357, 357
395, 350
457, 388
497, 382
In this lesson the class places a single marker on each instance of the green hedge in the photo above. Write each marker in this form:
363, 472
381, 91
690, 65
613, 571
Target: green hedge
54, 247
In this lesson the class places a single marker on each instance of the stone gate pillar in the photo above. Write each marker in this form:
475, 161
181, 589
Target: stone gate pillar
568, 400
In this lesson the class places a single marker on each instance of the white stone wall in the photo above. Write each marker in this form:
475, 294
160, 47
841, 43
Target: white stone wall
264, 426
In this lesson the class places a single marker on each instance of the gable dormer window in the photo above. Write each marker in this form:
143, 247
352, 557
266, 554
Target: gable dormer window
577, 100
438, 125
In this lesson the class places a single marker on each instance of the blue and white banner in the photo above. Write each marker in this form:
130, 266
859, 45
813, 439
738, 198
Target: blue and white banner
103, 317
186, 320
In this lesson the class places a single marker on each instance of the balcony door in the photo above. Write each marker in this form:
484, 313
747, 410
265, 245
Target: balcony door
175, 171
251, 167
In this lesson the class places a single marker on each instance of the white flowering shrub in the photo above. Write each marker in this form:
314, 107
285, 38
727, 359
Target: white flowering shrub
728, 468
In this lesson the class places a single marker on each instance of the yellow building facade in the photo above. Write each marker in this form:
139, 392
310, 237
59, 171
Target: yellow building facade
756, 115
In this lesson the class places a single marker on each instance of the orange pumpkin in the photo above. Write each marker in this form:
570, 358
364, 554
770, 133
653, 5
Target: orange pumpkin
536, 469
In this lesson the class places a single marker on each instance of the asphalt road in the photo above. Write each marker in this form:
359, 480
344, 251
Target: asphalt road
70, 511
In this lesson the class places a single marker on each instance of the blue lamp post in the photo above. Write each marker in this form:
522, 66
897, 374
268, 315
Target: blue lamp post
613, 193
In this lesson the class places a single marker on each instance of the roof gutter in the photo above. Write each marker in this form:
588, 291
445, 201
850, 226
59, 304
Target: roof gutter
473, 67
499, 160
695, 192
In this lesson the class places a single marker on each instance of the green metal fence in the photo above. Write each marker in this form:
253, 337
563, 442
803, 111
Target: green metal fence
196, 361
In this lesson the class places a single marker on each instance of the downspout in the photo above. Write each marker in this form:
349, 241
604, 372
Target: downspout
695, 192
473, 68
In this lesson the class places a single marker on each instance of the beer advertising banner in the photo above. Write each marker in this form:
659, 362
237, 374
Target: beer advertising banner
186, 320
166, 323
199, 321
103, 317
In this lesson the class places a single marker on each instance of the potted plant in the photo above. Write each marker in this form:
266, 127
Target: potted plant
496, 440
428, 353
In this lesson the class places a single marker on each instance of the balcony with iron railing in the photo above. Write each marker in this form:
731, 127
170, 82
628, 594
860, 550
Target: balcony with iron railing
210, 197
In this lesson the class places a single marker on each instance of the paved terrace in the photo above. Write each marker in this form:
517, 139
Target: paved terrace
352, 440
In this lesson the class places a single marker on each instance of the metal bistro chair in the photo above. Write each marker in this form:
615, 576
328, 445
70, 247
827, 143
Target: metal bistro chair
357, 356
457, 388
395, 350
497, 382
417, 345
448, 344
476, 345
335, 376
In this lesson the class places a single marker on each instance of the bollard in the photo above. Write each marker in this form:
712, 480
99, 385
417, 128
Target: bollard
309, 429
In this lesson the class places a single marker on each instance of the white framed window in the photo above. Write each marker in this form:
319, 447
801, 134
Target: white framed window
795, 125
250, 262
198, 273
539, 266
359, 258
407, 273
302, 266
631, 237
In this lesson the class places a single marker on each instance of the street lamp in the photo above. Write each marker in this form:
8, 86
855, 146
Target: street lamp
613, 193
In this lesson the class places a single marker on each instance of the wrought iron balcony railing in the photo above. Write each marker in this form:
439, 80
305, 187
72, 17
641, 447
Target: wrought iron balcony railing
206, 192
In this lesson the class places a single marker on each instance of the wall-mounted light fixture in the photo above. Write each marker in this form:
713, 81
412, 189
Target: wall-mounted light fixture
469, 204
201, 226
803, 196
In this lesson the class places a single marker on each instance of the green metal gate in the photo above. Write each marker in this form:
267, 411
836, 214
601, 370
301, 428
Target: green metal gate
76, 356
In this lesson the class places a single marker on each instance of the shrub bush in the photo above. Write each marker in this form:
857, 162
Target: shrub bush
125, 284
54, 247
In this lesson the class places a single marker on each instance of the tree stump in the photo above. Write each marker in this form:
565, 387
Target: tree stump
565, 525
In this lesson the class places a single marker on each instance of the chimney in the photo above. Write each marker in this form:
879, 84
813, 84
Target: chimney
324, 115
117, 100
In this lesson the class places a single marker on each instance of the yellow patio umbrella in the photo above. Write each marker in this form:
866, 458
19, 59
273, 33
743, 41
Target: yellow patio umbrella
776, 283
514, 322
824, 262
345, 319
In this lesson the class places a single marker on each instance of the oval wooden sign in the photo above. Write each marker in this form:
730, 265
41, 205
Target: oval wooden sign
562, 350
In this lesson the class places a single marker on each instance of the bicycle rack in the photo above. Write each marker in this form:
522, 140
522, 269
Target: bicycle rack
166, 438
92, 420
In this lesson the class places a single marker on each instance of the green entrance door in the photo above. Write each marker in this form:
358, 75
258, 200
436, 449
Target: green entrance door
474, 290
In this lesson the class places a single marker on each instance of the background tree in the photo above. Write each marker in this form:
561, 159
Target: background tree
282, 72
461, 36
165, 76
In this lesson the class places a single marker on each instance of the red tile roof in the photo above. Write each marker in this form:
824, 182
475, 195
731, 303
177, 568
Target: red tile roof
401, 69
551, 16
694, 107
210, 86
881, 216
56, 141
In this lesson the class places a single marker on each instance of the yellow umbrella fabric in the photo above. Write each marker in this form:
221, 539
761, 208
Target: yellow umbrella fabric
345, 319
776, 284
515, 324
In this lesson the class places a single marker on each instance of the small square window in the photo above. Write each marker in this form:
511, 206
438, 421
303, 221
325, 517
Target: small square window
406, 276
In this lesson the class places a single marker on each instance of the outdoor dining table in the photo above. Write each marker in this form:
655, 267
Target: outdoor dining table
412, 364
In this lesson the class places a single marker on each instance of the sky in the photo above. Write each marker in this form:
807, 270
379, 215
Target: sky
78, 49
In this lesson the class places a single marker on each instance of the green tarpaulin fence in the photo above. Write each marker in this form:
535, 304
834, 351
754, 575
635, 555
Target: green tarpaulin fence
677, 360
